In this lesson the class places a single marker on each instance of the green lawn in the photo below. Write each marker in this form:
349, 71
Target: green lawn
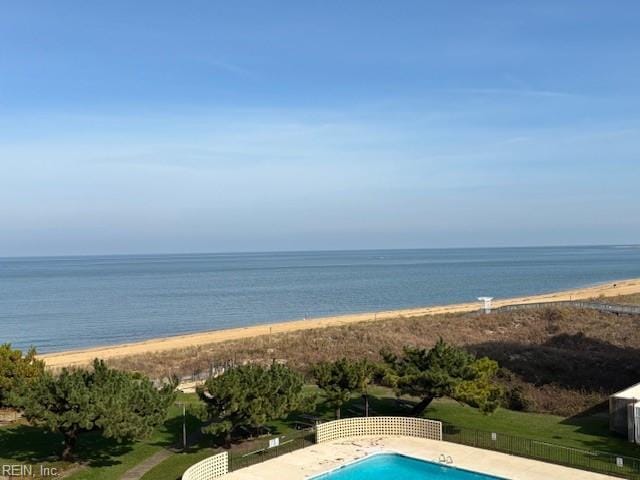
588, 433
105, 460
101, 459
173, 467
21, 443
112, 465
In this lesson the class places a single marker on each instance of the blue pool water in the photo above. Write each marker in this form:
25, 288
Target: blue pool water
391, 466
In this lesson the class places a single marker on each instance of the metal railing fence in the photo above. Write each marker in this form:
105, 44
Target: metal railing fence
595, 461
263, 449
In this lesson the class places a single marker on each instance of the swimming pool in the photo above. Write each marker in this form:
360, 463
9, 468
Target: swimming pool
393, 466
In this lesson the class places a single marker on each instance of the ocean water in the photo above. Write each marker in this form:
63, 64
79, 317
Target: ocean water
71, 302
388, 466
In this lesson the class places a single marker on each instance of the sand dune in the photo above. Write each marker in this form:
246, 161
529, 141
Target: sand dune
82, 357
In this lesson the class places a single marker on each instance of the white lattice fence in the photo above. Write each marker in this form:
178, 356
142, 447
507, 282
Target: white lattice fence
208, 468
357, 427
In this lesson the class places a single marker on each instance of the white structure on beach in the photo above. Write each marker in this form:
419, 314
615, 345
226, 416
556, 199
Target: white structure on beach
624, 413
486, 303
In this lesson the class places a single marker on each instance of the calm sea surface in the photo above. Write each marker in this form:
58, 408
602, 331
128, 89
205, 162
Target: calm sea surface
70, 302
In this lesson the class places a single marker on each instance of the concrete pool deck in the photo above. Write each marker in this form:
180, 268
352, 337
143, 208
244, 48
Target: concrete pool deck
320, 458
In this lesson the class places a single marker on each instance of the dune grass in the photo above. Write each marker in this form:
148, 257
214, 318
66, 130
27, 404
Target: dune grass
563, 360
631, 299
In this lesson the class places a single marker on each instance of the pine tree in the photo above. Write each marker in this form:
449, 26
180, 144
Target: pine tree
443, 371
364, 372
339, 380
119, 405
249, 396
16, 370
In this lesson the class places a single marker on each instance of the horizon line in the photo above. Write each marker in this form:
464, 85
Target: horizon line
330, 250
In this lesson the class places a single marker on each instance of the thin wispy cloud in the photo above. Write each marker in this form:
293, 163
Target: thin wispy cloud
403, 121
514, 92
221, 65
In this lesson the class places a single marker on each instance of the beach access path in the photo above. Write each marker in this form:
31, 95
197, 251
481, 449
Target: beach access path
85, 356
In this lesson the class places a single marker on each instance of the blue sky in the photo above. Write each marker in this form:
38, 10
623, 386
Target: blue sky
198, 126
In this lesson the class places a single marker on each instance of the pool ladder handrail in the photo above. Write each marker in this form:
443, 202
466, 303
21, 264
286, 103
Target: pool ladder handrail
445, 459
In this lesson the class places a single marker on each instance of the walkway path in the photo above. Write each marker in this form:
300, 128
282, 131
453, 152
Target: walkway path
143, 467
137, 472
600, 306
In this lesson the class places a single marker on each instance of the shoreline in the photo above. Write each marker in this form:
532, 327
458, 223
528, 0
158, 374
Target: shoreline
85, 356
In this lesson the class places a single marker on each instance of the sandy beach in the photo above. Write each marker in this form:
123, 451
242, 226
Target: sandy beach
84, 356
